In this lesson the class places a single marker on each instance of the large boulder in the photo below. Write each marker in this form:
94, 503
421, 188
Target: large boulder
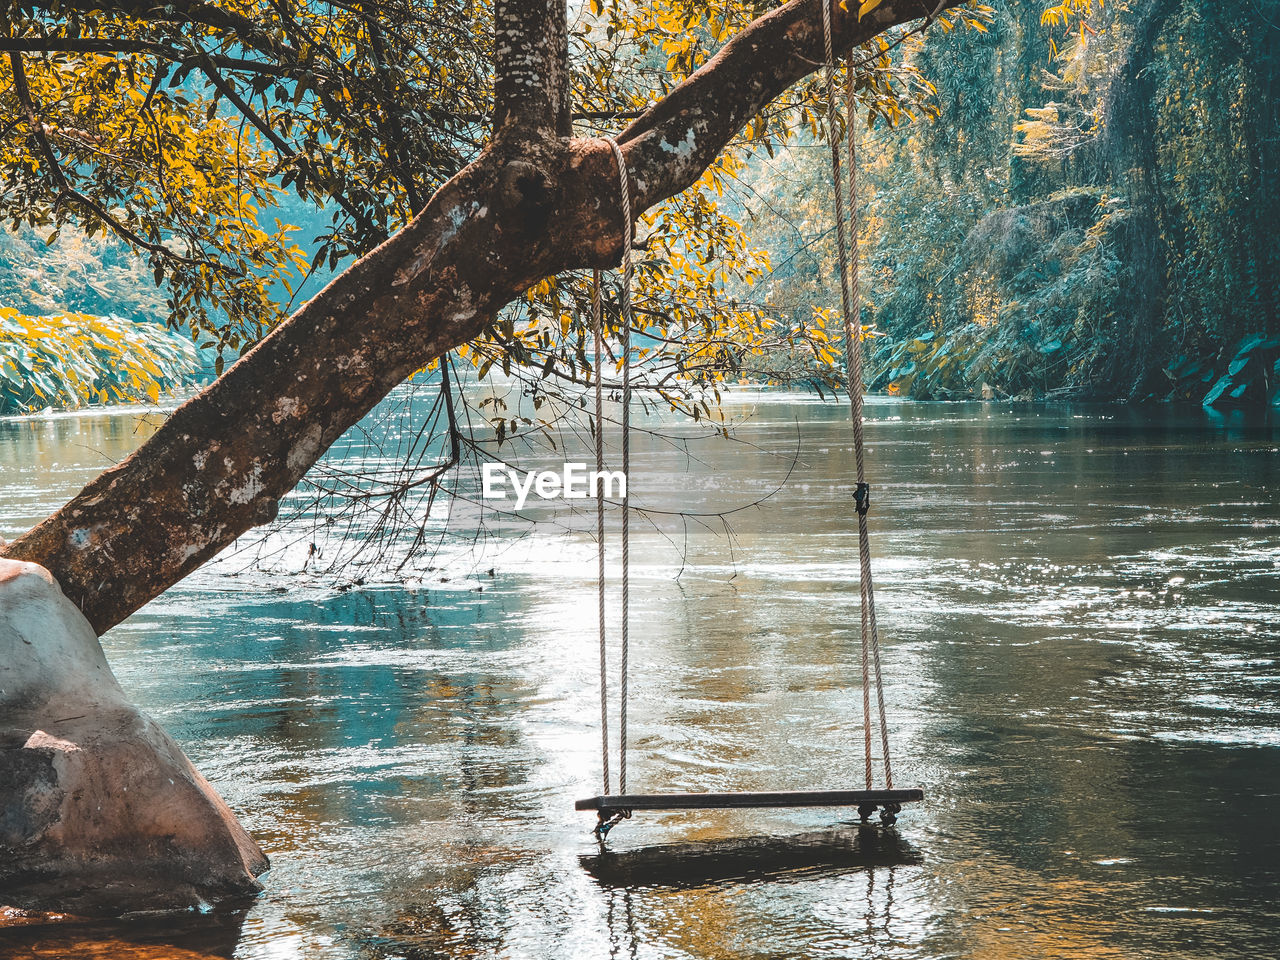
100, 811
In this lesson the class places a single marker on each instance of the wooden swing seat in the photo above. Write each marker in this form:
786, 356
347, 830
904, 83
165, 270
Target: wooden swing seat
616, 803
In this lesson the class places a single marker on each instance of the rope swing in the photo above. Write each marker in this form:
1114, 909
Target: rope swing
597, 309
612, 808
850, 306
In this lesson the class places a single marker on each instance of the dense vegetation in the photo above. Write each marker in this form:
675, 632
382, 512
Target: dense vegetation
1093, 214
74, 359
1071, 202
78, 325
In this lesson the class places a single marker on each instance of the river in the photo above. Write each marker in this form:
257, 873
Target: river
1080, 641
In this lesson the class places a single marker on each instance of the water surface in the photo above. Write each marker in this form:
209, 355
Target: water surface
1080, 647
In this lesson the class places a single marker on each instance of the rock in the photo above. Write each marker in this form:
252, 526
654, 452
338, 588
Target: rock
100, 811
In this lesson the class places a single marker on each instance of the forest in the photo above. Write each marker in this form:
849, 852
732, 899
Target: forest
1090, 212
1065, 202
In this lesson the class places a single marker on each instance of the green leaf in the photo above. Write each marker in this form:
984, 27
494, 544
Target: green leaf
1218, 389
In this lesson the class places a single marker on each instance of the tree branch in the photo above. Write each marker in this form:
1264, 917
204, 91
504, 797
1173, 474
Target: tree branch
125, 45
65, 191
182, 13
670, 145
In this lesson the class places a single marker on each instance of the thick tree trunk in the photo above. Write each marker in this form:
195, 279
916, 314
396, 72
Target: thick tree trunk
531, 66
535, 203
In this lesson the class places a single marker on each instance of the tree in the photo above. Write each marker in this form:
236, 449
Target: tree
1092, 219
535, 201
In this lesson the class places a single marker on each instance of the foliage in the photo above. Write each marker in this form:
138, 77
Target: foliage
74, 273
1091, 210
177, 128
73, 359
161, 170
1100, 176
1028, 308
1253, 376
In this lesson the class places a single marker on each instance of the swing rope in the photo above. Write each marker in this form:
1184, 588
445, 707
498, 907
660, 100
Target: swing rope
597, 321
850, 296
628, 228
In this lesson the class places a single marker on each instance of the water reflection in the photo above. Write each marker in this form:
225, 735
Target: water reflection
751, 859
1079, 606
46, 458
187, 936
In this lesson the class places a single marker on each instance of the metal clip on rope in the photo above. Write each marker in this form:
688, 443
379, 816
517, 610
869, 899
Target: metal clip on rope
606, 820
862, 498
